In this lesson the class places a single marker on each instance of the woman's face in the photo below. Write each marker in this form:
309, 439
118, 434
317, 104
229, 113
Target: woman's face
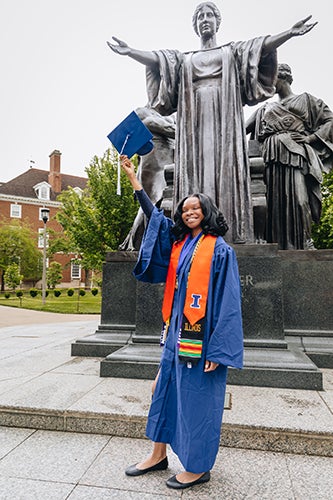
192, 215
206, 22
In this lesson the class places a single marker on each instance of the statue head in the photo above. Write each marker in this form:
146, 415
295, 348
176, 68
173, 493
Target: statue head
215, 10
284, 73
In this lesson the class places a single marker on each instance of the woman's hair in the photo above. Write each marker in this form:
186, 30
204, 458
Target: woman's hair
213, 222
284, 73
212, 6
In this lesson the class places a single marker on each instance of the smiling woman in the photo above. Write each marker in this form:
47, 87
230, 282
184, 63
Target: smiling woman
192, 215
202, 331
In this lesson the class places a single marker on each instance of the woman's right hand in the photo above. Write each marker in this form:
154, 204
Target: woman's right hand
129, 170
120, 47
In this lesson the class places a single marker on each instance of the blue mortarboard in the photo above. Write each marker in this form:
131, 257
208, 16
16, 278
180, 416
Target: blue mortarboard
132, 136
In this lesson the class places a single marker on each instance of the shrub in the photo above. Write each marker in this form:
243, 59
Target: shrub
33, 292
94, 291
57, 293
70, 292
82, 292
19, 293
7, 295
46, 293
54, 275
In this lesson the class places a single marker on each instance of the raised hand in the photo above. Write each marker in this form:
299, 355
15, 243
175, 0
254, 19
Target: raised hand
129, 170
120, 47
300, 28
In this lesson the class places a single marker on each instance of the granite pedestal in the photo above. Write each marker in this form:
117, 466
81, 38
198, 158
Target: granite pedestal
118, 313
269, 359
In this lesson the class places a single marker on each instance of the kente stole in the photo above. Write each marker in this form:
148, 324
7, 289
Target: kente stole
192, 329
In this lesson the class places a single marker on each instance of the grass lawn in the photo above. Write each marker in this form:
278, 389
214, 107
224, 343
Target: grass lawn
88, 304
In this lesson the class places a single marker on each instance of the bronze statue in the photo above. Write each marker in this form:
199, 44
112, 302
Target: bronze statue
297, 145
208, 89
151, 167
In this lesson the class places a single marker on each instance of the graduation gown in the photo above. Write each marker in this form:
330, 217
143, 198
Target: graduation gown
187, 404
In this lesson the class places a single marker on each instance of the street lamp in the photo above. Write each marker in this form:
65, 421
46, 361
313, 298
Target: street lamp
45, 217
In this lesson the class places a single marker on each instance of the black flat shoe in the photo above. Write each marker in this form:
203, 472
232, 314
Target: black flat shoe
132, 470
177, 485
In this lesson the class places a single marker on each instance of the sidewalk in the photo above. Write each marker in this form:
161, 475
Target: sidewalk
44, 389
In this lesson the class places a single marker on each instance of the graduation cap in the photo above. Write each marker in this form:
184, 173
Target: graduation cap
132, 136
129, 137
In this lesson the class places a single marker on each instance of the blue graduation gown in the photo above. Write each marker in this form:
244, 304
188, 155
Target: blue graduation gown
187, 404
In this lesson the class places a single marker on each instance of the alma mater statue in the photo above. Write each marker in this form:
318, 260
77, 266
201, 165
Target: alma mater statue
208, 88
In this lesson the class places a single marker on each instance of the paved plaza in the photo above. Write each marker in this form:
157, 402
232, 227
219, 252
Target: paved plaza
67, 433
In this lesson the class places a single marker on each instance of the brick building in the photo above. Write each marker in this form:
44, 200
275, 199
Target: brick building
23, 198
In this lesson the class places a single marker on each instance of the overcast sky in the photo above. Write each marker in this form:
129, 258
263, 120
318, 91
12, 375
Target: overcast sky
62, 88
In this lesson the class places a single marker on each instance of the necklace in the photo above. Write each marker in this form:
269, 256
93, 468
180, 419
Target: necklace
192, 257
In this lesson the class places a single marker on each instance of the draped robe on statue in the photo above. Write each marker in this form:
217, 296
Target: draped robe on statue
293, 172
187, 405
208, 88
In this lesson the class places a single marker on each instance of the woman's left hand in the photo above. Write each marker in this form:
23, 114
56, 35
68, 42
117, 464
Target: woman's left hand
210, 366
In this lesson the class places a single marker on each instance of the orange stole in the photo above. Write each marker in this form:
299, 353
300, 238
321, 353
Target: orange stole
190, 342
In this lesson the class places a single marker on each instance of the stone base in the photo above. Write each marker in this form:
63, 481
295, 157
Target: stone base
265, 367
316, 344
107, 339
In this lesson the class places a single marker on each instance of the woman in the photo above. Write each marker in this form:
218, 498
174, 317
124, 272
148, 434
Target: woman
208, 89
297, 146
202, 332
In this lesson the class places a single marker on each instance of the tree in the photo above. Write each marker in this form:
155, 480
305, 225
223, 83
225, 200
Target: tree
53, 275
322, 233
97, 220
18, 246
12, 276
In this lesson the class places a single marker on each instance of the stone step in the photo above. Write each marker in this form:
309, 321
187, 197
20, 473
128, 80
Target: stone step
264, 367
257, 437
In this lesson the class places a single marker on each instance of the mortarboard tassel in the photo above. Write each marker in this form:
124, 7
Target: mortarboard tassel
118, 172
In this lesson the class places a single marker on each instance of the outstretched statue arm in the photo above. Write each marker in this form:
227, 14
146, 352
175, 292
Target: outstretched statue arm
143, 57
272, 42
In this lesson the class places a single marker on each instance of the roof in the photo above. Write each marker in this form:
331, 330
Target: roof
23, 184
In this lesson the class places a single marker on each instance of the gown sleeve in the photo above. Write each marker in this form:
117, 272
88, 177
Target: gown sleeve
257, 72
154, 255
145, 202
225, 345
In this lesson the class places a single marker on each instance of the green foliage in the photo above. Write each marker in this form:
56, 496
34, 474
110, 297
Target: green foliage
62, 304
82, 292
94, 291
70, 292
322, 233
53, 275
18, 246
33, 292
12, 276
57, 293
97, 220
19, 293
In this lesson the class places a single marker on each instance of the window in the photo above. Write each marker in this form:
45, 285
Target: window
42, 190
78, 191
75, 270
16, 211
41, 238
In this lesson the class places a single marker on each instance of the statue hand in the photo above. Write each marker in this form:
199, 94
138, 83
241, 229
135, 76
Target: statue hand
300, 138
301, 27
120, 48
